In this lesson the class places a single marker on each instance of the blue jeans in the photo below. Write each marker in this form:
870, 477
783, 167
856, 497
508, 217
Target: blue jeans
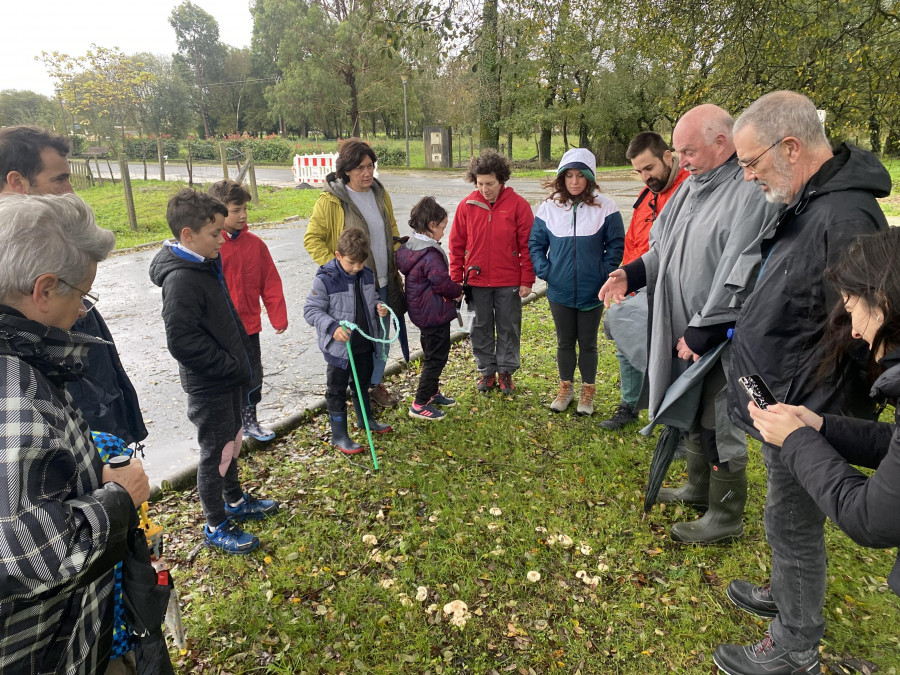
630, 380
795, 530
381, 351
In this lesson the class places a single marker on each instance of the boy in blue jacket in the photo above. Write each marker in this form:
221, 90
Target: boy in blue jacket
344, 290
205, 335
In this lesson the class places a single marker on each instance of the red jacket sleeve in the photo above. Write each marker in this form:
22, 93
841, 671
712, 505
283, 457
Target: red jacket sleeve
456, 249
271, 289
524, 221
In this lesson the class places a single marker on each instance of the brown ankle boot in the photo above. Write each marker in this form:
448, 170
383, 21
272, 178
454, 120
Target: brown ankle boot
586, 402
564, 397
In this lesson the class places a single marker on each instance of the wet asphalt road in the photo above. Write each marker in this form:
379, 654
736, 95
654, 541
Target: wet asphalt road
294, 368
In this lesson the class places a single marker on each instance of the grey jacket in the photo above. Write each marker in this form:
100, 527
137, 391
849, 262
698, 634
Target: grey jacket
332, 300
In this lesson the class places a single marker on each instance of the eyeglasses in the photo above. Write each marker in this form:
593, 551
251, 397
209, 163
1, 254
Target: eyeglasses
93, 297
749, 165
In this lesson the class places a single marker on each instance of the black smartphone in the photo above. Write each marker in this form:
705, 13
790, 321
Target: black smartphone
758, 391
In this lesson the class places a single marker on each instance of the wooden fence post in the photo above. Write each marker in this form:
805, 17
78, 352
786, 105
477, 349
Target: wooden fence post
126, 185
162, 159
254, 196
224, 157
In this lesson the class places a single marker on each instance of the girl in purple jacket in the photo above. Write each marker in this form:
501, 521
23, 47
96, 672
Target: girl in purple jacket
430, 295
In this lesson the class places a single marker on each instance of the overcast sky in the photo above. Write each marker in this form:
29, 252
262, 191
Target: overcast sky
71, 26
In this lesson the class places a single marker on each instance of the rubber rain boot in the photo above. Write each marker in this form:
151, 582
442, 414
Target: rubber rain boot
374, 425
696, 490
252, 427
339, 437
724, 521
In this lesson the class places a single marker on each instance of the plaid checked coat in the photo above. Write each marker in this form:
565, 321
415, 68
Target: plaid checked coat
61, 529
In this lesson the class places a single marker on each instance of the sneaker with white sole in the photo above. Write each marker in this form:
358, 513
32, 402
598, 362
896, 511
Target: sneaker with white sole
426, 412
230, 538
251, 508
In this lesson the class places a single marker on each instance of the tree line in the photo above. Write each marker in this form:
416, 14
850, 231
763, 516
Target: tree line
597, 72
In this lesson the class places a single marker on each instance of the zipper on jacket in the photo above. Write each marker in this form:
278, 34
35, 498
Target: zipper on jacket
575, 250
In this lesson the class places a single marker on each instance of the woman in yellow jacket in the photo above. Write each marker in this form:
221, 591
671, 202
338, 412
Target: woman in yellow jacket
353, 197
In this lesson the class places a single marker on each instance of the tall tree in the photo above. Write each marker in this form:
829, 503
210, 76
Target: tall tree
103, 87
161, 108
199, 49
28, 107
488, 68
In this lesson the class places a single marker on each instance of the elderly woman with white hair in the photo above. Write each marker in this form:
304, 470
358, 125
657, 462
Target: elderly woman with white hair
64, 516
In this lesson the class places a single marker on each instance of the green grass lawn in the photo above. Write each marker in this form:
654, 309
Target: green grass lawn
891, 205
151, 196
354, 574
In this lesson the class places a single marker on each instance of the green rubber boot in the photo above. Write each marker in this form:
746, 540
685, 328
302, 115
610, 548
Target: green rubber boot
696, 490
724, 521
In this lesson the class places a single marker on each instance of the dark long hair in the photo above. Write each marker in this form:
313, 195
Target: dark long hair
870, 270
560, 193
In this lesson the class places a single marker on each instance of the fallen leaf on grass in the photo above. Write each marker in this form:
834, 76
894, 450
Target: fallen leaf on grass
710, 578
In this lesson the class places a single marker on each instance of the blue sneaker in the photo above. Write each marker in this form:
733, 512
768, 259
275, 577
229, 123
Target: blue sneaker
252, 508
426, 412
440, 399
230, 538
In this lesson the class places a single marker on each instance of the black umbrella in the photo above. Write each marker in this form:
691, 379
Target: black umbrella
662, 458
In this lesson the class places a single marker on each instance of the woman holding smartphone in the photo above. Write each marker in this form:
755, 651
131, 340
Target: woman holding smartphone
819, 450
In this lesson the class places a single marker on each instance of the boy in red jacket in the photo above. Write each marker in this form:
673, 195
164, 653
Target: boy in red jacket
250, 274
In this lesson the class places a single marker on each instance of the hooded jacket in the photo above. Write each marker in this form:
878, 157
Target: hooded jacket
430, 293
778, 333
62, 530
334, 210
250, 274
493, 237
863, 507
574, 247
203, 330
332, 300
104, 395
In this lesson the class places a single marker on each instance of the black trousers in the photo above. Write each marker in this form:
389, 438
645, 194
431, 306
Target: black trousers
337, 380
436, 345
573, 327
217, 417
251, 394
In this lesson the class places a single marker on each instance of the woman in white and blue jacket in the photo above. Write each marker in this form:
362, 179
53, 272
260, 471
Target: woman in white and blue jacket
576, 241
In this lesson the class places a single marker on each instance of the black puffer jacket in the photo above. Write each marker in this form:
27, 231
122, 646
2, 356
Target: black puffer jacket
105, 395
864, 508
779, 331
203, 330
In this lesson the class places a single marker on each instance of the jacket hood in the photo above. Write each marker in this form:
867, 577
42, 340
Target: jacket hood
335, 186
413, 251
167, 261
579, 158
333, 269
850, 169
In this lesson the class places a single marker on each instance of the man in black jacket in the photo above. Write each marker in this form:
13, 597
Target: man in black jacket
829, 199
33, 161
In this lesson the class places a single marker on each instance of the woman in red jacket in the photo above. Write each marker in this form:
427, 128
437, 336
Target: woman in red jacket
489, 236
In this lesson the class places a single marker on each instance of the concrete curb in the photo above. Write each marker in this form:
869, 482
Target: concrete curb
187, 477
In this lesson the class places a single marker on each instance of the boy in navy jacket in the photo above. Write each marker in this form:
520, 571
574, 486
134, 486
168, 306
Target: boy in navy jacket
205, 335
344, 290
